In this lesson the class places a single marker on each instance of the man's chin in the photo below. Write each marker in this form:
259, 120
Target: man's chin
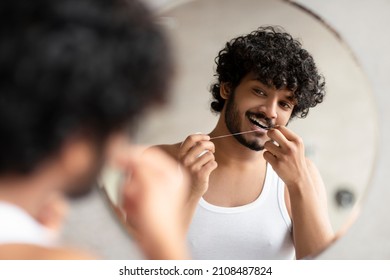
252, 145
256, 148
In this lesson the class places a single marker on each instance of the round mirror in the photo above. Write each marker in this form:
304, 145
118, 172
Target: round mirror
340, 135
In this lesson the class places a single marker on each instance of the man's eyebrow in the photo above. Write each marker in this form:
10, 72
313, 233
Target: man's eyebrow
261, 85
264, 87
291, 97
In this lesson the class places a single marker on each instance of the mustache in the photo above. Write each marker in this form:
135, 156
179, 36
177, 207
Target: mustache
262, 116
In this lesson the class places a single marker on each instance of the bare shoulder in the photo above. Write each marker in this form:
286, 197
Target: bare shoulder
35, 252
172, 150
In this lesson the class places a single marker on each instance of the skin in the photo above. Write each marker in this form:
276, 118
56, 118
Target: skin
42, 195
33, 252
149, 203
153, 198
228, 164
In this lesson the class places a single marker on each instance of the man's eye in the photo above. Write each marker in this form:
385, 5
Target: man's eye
258, 92
285, 105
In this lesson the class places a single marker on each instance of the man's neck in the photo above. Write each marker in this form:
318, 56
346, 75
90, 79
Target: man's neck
28, 192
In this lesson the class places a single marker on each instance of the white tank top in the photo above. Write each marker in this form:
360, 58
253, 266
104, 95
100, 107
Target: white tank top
259, 230
17, 226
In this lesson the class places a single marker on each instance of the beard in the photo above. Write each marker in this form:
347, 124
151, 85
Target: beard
233, 124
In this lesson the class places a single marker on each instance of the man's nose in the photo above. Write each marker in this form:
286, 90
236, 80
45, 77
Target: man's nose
270, 108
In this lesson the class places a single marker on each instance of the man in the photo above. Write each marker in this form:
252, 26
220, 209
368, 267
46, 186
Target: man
74, 75
254, 194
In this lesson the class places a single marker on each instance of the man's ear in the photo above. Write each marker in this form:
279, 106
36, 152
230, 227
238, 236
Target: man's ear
225, 90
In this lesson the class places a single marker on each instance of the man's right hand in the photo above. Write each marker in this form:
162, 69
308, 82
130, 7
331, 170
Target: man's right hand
153, 198
196, 154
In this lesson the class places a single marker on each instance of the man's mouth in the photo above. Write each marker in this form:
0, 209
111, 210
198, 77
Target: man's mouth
260, 122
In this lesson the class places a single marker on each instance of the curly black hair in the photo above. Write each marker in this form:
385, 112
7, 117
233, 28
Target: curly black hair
74, 65
277, 59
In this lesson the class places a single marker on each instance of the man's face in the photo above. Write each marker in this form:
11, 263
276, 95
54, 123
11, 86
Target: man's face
256, 106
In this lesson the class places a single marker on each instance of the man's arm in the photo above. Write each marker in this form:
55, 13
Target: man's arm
312, 230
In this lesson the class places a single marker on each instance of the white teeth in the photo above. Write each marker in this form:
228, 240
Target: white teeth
258, 121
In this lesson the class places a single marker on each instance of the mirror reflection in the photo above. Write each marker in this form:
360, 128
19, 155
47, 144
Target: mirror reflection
239, 191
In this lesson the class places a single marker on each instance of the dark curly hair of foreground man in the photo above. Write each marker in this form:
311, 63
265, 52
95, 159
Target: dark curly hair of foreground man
73, 64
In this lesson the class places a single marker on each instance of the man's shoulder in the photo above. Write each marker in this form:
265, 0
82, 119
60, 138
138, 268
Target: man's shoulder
170, 149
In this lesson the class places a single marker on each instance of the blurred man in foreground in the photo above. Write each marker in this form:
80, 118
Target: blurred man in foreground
74, 75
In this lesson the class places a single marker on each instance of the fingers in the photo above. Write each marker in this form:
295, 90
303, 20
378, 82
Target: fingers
282, 134
202, 161
194, 147
288, 141
273, 148
277, 136
284, 149
130, 201
197, 151
197, 156
190, 141
269, 157
291, 136
209, 167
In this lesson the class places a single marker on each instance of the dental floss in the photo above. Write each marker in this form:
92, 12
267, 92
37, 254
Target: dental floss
238, 133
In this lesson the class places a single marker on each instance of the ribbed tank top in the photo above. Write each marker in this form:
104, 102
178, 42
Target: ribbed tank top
258, 230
